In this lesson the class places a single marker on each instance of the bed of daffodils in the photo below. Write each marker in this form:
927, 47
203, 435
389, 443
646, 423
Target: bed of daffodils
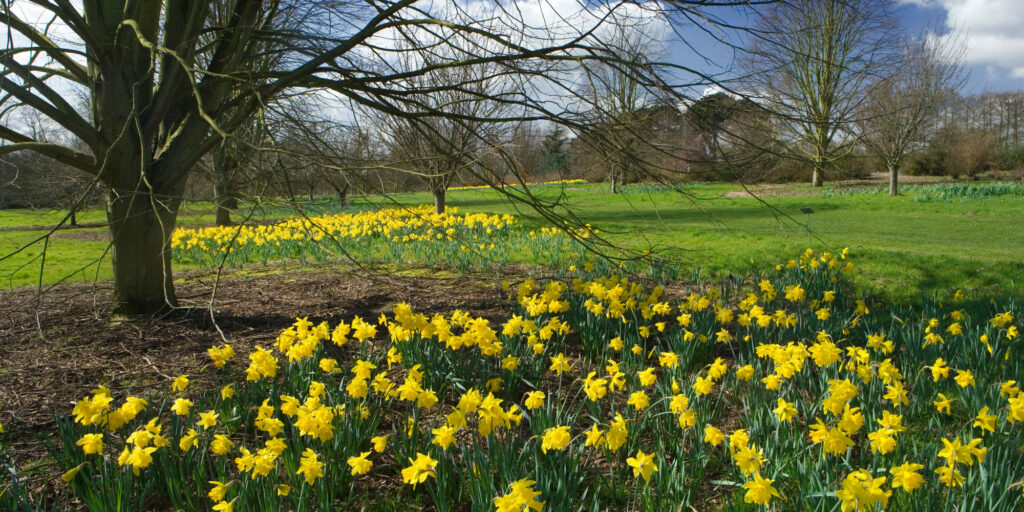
538, 184
598, 393
394, 235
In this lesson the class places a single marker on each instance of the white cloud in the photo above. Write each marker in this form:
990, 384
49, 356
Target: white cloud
992, 31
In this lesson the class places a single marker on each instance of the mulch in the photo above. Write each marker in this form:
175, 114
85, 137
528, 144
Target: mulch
57, 347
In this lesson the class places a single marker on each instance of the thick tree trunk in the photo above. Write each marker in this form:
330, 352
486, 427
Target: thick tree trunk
140, 232
615, 182
894, 177
816, 176
439, 199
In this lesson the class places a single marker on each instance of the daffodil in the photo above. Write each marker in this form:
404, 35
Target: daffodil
188, 440
560, 364
964, 378
207, 419
534, 400
759, 490
360, 465
950, 476
617, 433
310, 466
713, 436
221, 444
595, 436
555, 438
907, 476
218, 491
91, 443
444, 436
180, 383
419, 469
668, 360
785, 411
181, 406
639, 400
137, 458
70, 474
643, 465
986, 422
521, 496
744, 373
860, 492
225, 506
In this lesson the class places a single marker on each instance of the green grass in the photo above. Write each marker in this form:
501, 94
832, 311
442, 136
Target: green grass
903, 246
931, 237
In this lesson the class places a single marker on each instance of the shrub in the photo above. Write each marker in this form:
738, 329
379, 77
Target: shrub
1012, 158
972, 152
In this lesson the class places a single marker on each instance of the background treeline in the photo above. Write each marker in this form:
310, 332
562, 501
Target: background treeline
719, 137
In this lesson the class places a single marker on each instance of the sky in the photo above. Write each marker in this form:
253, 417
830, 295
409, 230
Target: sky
992, 29
994, 53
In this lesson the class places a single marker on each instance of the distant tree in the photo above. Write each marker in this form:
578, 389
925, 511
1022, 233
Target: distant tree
903, 104
811, 62
442, 148
555, 156
619, 99
709, 115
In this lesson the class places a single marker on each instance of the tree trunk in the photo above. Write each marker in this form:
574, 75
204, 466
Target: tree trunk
73, 220
342, 192
816, 176
140, 232
439, 199
894, 177
225, 203
225, 166
615, 182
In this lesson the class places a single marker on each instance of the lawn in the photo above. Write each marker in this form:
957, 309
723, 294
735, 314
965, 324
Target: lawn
933, 237
903, 246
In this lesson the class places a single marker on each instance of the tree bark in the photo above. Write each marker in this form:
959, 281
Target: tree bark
615, 182
894, 180
816, 176
225, 203
140, 231
439, 199
342, 192
225, 165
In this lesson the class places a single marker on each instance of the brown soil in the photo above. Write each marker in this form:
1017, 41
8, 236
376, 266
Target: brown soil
56, 348
62, 227
88, 235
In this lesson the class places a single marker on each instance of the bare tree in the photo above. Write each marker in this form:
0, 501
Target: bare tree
440, 148
619, 99
811, 62
902, 105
